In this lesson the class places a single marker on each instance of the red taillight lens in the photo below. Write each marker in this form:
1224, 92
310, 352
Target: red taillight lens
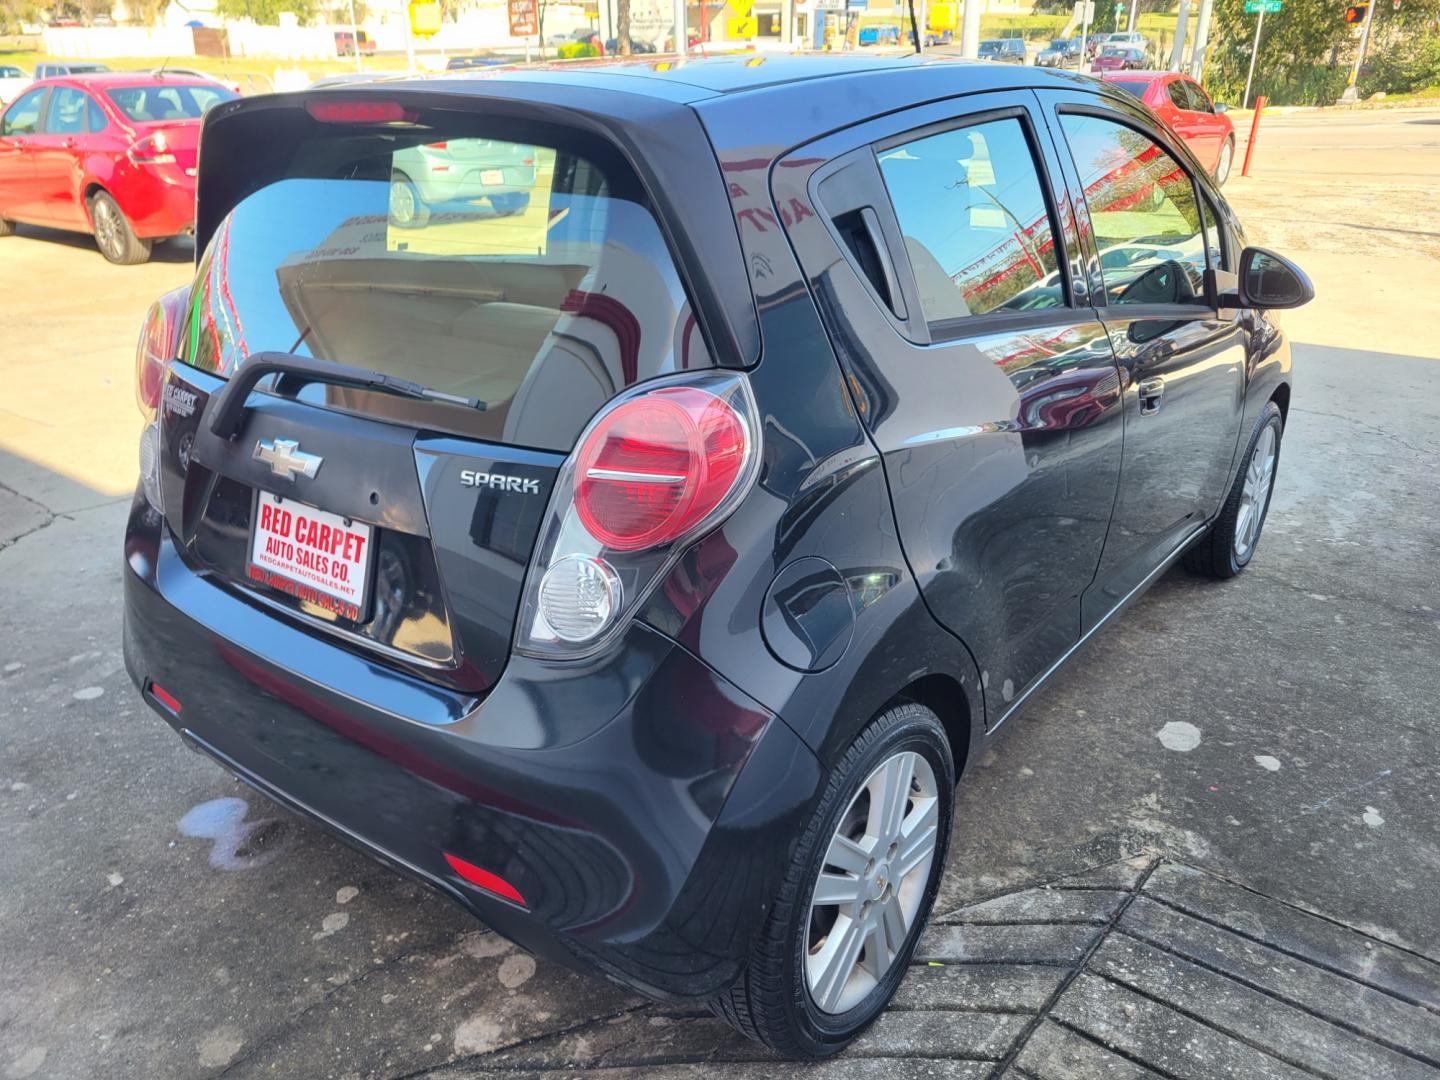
152, 150
657, 465
436, 145
361, 112
150, 357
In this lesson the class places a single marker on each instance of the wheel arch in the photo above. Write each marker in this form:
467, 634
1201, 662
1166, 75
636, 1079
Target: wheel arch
1281, 397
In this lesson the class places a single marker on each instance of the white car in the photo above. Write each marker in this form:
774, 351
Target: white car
13, 82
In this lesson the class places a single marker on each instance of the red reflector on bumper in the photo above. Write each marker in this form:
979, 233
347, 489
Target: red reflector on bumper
491, 883
160, 694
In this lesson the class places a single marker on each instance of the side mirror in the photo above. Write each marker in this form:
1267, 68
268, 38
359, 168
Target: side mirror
1221, 107
1272, 281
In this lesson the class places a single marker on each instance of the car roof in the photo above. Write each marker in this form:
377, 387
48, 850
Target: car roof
690, 80
114, 80
1143, 76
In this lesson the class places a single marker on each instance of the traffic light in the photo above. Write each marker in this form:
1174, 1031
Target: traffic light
1355, 13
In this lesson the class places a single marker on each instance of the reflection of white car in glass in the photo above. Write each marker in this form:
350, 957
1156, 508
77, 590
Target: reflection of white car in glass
460, 170
12, 82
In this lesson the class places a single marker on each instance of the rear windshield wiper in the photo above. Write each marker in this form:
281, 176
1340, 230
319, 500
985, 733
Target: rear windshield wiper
227, 410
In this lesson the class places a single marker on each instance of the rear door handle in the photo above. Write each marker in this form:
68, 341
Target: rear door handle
1152, 390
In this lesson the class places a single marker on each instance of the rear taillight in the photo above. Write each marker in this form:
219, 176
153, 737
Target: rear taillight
436, 145
658, 467
156, 348
151, 150
153, 354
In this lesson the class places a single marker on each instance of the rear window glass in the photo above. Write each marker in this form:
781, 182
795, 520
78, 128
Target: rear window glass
531, 277
1136, 87
156, 104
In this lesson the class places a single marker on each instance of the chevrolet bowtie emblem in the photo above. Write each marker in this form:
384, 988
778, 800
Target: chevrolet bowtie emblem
286, 459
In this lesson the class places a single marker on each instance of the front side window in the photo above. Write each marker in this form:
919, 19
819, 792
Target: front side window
1143, 211
976, 224
66, 114
533, 278
23, 117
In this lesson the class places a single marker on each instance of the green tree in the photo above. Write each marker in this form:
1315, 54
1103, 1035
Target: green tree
266, 12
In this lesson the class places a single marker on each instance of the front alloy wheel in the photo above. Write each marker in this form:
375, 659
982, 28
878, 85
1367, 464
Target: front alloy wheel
848, 916
1229, 544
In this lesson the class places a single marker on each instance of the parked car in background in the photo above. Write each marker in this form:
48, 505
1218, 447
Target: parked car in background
428, 176
1062, 52
1003, 50
1184, 105
348, 43
12, 81
637, 47
112, 155
461, 63
52, 70
194, 73
650, 607
1094, 43
1120, 58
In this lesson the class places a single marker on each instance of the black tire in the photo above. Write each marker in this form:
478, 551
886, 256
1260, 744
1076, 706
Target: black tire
7, 228
771, 1002
1214, 554
1225, 162
411, 214
113, 235
515, 202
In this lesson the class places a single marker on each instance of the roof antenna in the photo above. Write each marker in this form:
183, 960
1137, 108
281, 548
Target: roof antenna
161, 69
914, 27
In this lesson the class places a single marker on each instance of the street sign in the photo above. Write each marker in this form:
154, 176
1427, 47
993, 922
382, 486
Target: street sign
1253, 6
524, 21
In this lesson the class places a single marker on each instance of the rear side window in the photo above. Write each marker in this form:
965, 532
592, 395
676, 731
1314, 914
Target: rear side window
976, 224
1143, 211
530, 275
66, 114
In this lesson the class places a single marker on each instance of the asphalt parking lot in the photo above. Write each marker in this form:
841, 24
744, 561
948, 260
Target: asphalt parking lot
1210, 848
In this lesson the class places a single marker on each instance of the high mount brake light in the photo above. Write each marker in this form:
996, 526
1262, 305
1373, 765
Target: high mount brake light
361, 112
661, 465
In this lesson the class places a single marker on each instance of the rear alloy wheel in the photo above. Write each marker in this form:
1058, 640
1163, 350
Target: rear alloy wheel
1227, 158
1229, 544
407, 209
850, 912
113, 235
7, 228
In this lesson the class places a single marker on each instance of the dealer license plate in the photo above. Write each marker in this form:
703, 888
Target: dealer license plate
492, 176
311, 554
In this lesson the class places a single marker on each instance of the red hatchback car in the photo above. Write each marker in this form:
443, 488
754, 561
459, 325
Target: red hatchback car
112, 155
1183, 104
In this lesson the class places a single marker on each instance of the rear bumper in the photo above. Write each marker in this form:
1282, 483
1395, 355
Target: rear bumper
643, 807
157, 204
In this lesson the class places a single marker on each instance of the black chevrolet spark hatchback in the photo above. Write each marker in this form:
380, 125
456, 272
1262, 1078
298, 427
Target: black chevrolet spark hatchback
641, 560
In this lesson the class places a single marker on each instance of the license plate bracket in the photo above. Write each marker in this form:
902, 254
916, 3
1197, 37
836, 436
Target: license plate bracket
316, 556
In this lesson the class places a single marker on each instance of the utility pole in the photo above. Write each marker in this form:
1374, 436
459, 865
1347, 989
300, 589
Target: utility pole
682, 34
1254, 52
1084, 29
355, 35
1182, 25
970, 30
1352, 92
1202, 40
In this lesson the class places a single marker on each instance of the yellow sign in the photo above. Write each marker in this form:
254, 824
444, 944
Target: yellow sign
741, 26
424, 17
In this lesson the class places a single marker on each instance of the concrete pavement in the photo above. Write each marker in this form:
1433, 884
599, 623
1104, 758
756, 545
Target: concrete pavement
1231, 794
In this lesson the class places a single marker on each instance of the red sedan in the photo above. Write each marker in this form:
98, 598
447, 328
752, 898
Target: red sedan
1183, 104
112, 155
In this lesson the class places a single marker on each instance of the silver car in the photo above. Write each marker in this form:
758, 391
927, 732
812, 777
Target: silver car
460, 170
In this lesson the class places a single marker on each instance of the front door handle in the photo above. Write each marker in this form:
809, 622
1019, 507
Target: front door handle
1152, 392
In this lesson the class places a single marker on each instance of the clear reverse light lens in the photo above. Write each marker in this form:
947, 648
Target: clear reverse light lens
150, 465
579, 596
